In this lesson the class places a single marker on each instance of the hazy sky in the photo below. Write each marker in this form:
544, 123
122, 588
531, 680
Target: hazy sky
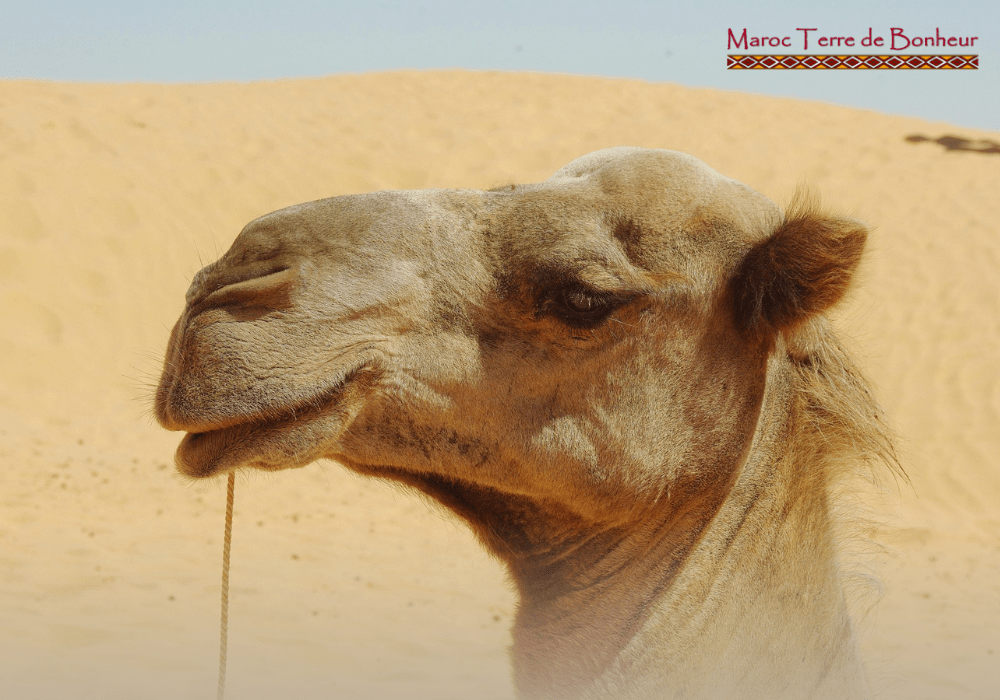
680, 42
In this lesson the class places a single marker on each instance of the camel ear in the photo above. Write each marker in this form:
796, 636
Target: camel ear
804, 268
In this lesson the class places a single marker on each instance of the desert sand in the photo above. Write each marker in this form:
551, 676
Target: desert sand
113, 196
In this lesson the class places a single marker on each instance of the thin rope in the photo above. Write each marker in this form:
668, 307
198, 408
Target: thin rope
226, 542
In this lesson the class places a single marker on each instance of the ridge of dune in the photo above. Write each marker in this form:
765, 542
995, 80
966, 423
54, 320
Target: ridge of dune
113, 196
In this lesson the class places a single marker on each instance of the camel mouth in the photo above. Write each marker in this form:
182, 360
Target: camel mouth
291, 436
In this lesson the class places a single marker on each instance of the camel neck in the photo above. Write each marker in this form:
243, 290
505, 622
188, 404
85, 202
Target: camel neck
735, 596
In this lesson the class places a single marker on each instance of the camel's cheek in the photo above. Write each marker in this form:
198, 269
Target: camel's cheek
565, 442
721, 403
386, 434
657, 424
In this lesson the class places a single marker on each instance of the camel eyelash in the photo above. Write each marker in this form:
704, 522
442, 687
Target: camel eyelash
580, 306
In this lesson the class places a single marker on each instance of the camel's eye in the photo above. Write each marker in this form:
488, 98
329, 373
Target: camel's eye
581, 307
580, 301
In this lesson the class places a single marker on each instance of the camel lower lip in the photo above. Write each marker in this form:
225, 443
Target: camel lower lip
270, 446
206, 453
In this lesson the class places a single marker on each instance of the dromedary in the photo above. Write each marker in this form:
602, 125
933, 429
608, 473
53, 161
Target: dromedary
619, 377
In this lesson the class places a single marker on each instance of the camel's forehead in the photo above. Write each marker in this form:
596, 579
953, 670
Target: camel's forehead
665, 210
668, 188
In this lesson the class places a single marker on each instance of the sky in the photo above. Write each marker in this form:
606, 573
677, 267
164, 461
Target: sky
664, 41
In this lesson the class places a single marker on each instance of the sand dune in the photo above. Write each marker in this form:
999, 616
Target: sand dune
113, 196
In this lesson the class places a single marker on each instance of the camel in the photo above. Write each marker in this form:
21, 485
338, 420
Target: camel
621, 378
959, 143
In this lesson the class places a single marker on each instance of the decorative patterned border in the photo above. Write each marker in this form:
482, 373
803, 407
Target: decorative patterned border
813, 62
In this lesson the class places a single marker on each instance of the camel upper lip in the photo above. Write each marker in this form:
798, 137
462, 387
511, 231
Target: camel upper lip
306, 407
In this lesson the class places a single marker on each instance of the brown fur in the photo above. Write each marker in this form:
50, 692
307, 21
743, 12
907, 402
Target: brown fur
619, 377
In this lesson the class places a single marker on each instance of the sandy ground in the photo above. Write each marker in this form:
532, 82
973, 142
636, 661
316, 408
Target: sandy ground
112, 197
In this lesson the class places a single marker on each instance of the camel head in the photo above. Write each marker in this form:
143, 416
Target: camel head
597, 342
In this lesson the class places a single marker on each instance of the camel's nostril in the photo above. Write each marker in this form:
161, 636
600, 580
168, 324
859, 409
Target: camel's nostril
269, 287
